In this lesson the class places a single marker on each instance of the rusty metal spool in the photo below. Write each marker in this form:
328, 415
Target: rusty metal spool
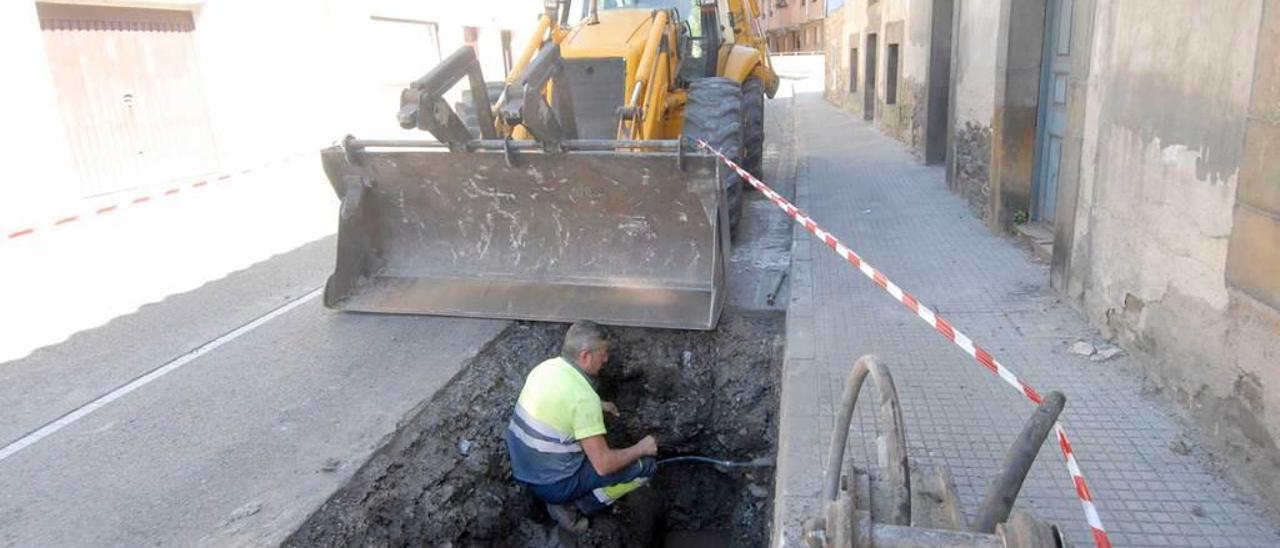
889, 506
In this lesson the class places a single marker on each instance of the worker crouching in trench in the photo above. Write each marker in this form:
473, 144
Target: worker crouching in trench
556, 437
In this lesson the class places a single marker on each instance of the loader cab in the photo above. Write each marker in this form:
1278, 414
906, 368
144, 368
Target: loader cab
682, 5
701, 29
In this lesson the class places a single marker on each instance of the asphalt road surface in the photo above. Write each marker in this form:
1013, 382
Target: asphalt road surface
219, 416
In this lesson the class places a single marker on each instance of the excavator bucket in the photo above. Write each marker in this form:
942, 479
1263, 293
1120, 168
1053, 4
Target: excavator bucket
501, 229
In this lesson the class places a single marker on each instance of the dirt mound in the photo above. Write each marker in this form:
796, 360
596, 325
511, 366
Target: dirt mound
445, 479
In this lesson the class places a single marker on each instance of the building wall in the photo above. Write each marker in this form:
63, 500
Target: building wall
1014, 123
30, 109
973, 80
268, 93
278, 76
836, 59
1164, 179
995, 72
332, 86
812, 34
793, 25
393, 61
904, 24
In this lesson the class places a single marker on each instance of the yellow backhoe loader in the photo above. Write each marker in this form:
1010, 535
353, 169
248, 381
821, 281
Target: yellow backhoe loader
578, 193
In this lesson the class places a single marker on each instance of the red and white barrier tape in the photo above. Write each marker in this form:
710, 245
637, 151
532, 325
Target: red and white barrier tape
134, 199
942, 326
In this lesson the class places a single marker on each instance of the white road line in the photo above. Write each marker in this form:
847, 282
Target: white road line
84, 410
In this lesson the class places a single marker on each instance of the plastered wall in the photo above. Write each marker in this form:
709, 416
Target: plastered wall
278, 76
30, 109
973, 78
904, 24
838, 28
1163, 150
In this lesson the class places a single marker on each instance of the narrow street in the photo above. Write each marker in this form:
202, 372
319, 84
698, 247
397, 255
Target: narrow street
275, 402
612, 274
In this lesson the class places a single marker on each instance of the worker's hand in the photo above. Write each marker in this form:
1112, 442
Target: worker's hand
610, 408
648, 446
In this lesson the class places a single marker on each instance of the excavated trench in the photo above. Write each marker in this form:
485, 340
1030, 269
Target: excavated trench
445, 480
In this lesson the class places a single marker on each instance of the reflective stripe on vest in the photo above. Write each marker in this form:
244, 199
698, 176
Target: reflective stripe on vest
534, 425
539, 435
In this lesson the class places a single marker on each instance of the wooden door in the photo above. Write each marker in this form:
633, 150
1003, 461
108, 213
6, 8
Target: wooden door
869, 82
1051, 125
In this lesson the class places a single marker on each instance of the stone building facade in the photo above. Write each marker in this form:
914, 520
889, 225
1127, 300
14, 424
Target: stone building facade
878, 60
794, 26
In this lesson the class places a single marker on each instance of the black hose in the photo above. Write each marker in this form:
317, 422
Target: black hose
757, 463
1003, 490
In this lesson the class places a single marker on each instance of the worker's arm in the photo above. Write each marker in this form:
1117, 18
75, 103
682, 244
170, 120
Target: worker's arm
607, 461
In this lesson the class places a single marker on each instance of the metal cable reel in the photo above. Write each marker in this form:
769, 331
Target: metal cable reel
893, 506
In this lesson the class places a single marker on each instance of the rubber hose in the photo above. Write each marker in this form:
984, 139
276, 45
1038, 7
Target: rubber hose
758, 463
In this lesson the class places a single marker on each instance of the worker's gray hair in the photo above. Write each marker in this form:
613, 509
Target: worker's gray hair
583, 335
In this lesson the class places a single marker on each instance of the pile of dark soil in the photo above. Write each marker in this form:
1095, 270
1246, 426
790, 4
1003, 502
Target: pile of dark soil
445, 479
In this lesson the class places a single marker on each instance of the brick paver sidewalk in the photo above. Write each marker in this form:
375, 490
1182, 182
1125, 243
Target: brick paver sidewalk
1154, 484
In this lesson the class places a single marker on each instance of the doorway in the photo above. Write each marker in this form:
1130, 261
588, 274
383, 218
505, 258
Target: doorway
935, 127
869, 91
1051, 122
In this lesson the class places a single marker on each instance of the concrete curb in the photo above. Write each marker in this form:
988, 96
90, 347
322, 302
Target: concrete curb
796, 477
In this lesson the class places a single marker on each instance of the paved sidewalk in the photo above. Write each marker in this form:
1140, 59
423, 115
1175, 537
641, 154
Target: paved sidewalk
1153, 484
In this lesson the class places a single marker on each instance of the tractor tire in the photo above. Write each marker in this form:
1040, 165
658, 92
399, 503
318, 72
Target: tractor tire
466, 110
753, 127
713, 113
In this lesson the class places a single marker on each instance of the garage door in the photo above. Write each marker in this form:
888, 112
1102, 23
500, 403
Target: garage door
130, 94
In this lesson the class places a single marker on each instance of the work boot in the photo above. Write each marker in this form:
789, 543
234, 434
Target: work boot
567, 517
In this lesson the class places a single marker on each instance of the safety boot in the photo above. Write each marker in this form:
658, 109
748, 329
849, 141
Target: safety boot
567, 517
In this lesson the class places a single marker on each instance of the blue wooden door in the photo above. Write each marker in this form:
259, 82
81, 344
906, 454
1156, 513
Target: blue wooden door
1052, 117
